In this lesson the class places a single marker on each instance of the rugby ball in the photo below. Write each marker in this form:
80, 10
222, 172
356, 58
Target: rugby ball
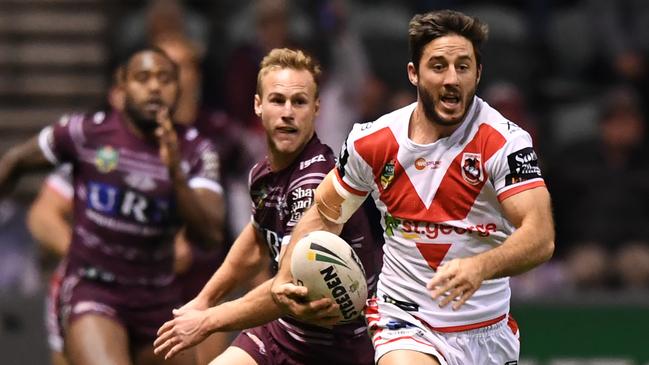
329, 267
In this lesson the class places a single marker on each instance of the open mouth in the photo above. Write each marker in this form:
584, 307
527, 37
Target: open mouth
153, 105
286, 130
451, 99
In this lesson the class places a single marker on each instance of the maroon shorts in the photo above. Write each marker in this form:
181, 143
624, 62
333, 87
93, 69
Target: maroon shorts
140, 309
268, 345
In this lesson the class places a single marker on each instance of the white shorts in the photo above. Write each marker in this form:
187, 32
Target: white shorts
392, 328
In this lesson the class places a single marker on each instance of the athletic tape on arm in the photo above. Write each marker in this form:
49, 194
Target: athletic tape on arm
334, 202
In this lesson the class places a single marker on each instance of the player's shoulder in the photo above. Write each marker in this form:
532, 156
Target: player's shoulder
504, 127
317, 157
259, 170
86, 119
392, 119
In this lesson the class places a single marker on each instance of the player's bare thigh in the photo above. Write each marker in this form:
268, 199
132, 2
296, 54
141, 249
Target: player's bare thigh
94, 339
234, 355
398, 357
213, 346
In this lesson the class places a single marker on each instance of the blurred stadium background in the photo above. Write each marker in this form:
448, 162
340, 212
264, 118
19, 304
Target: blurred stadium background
574, 73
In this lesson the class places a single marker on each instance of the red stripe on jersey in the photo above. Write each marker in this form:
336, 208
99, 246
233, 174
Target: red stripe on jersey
346, 186
433, 252
378, 150
454, 197
513, 191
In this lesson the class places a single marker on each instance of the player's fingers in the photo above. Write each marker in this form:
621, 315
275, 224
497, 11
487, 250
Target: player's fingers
320, 304
440, 288
454, 293
162, 347
174, 350
162, 117
440, 278
294, 291
165, 327
327, 314
163, 339
465, 296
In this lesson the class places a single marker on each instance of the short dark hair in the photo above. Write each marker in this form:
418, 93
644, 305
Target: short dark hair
123, 66
423, 28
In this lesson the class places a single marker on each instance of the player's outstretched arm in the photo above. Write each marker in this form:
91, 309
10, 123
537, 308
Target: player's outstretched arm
247, 258
529, 246
18, 160
48, 222
202, 210
192, 326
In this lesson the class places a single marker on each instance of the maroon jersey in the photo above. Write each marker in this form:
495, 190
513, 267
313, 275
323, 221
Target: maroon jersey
278, 201
124, 204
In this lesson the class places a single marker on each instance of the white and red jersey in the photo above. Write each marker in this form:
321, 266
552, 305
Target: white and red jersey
440, 201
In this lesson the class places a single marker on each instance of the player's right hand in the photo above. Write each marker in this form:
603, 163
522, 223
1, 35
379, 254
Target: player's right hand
187, 329
292, 299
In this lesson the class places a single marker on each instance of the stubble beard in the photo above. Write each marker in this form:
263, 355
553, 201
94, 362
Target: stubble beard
428, 105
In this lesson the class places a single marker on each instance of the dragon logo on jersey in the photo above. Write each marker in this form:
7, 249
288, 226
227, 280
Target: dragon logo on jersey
106, 159
472, 168
388, 174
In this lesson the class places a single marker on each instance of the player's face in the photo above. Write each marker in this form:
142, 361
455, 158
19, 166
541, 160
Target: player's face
447, 79
287, 107
150, 83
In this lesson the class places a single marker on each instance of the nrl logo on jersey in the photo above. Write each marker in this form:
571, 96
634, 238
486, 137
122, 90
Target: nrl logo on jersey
472, 168
106, 159
388, 174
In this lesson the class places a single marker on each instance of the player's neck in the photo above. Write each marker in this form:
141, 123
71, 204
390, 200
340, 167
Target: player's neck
135, 129
421, 130
280, 160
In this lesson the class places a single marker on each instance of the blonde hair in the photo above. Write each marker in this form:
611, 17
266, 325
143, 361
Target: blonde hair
281, 58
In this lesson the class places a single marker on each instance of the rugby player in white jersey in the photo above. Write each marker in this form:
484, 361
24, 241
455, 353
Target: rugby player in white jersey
463, 204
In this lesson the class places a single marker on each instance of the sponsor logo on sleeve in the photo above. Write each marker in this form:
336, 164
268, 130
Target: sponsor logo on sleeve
523, 165
472, 168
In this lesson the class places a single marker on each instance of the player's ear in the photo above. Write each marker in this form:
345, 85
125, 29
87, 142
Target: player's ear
317, 106
477, 81
258, 105
412, 74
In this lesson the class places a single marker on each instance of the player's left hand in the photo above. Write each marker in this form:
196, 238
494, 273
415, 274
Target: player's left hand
293, 301
167, 138
182, 332
456, 281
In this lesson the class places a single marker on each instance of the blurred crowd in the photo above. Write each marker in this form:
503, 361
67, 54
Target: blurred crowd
573, 73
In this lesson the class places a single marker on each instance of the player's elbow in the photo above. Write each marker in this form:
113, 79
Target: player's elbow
546, 250
34, 220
